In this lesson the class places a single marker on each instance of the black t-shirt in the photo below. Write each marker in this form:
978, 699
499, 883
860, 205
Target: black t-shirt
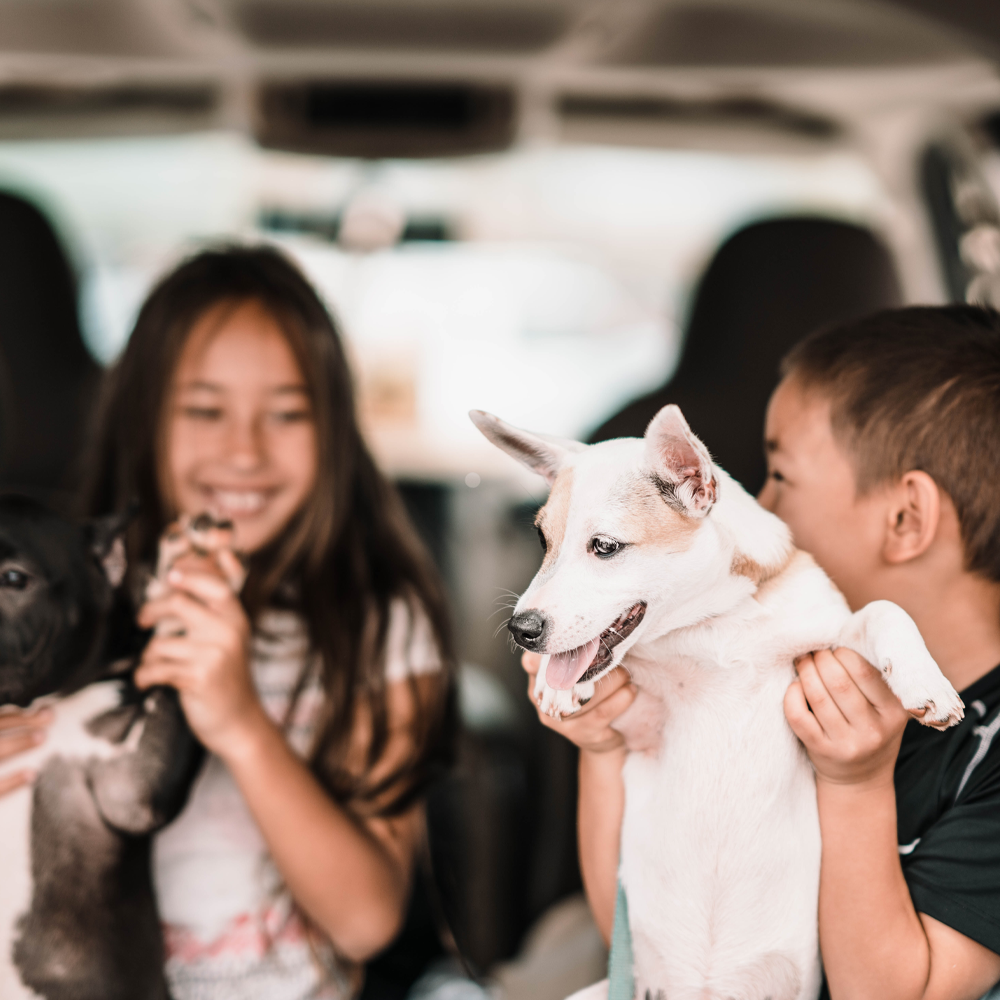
948, 816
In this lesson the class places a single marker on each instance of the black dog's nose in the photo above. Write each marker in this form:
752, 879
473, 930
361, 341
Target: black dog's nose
526, 628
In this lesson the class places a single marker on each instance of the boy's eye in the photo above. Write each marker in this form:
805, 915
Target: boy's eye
777, 476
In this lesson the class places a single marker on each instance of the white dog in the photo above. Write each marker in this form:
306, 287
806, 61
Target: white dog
655, 553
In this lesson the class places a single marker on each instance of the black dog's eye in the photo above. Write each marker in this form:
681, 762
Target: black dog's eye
14, 579
603, 546
541, 538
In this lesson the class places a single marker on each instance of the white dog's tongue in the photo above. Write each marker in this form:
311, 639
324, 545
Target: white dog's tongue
565, 669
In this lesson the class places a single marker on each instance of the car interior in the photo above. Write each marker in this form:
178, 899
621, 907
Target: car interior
567, 212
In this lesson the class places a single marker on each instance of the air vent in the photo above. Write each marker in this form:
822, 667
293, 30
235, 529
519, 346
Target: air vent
383, 120
721, 112
379, 26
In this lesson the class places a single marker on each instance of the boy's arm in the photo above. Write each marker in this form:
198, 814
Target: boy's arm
602, 791
599, 823
874, 943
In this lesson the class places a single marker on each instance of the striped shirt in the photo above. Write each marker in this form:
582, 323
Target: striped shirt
231, 929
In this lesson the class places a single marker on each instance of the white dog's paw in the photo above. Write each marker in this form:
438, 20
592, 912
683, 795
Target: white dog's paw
916, 680
558, 704
887, 636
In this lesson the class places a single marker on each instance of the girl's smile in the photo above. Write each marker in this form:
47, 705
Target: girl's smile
241, 439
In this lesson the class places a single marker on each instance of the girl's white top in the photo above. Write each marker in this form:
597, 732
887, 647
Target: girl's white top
230, 927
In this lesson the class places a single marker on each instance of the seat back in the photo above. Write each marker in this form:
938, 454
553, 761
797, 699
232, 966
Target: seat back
767, 286
48, 378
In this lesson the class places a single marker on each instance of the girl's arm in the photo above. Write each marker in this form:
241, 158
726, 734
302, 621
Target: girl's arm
602, 792
351, 875
875, 944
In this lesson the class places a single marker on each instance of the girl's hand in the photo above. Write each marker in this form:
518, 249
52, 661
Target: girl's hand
590, 728
849, 721
20, 732
208, 664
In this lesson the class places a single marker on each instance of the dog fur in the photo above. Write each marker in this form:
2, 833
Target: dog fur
78, 917
656, 556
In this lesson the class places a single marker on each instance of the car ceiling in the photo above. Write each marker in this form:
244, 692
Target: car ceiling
573, 69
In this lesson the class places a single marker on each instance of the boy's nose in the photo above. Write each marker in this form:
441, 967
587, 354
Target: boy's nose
527, 628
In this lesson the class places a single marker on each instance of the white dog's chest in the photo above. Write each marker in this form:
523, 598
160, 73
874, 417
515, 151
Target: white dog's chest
68, 738
720, 839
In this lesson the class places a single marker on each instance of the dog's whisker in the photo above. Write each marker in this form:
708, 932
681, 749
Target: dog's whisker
501, 627
499, 611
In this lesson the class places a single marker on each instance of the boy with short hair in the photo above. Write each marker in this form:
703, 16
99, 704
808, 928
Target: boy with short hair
883, 444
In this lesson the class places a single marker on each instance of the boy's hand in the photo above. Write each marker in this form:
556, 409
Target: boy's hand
849, 721
590, 728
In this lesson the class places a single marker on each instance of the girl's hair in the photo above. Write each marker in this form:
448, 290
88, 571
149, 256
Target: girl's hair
345, 557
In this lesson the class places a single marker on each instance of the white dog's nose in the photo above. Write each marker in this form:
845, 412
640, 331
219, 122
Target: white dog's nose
527, 628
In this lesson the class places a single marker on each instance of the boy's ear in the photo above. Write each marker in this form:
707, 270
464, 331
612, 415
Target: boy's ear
107, 542
680, 462
540, 453
913, 518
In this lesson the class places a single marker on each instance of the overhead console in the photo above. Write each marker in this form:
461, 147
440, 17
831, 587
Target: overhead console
385, 119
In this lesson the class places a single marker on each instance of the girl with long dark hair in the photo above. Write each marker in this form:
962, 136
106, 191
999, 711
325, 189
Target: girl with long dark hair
322, 692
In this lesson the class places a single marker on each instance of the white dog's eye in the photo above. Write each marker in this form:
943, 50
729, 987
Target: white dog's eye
603, 546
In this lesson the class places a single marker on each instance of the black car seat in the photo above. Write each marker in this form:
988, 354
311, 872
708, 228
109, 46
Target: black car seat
48, 379
767, 286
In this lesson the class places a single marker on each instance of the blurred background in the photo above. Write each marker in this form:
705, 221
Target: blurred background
568, 212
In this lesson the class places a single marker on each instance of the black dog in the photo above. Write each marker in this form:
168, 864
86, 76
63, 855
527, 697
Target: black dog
78, 917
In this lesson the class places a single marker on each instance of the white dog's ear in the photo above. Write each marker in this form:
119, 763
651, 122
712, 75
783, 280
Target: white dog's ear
680, 463
540, 453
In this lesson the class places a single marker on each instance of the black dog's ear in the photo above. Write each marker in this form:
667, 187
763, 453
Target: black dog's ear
107, 542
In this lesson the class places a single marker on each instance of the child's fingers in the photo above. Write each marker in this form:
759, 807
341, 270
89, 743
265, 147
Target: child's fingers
38, 719
173, 649
866, 677
19, 741
205, 587
592, 730
609, 708
603, 690
825, 710
800, 718
841, 687
15, 780
177, 604
159, 672
531, 662
232, 568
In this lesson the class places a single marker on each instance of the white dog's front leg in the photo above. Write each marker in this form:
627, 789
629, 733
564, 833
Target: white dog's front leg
560, 703
887, 637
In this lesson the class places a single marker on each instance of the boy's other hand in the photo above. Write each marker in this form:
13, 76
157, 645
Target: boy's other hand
849, 721
590, 728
